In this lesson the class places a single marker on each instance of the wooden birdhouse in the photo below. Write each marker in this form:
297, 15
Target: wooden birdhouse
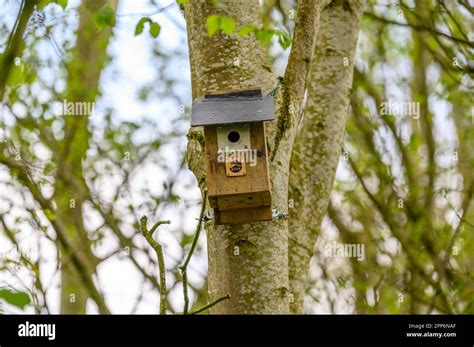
236, 154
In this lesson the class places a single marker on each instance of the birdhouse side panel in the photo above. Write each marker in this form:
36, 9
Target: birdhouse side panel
211, 148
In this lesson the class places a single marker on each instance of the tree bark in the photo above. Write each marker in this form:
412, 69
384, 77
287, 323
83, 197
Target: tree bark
248, 261
318, 144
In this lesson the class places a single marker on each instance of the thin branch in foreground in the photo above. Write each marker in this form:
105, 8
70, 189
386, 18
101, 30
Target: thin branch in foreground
215, 302
148, 234
184, 267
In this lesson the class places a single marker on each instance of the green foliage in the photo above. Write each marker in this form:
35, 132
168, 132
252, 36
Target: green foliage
105, 17
16, 76
247, 29
266, 35
217, 4
284, 39
155, 28
186, 240
15, 298
141, 25
215, 23
212, 25
227, 24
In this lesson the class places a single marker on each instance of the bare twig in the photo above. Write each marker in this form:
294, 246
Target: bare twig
184, 267
159, 253
215, 302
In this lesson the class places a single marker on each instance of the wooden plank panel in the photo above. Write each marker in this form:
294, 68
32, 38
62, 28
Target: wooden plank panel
256, 179
259, 214
234, 202
210, 141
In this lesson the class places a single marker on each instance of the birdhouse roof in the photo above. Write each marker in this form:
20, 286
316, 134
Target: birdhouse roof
238, 107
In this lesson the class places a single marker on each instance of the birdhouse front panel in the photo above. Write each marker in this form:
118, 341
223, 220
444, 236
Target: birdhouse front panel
236, 156
253, 160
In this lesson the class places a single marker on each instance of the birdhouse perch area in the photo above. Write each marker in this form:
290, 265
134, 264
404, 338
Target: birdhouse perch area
236, 154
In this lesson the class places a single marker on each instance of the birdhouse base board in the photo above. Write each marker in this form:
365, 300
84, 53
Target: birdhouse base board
241, 201
256, 214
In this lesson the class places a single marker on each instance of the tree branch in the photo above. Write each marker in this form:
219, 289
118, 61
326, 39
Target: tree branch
297, 71
15, 42
184, 267
215, 302
148, 234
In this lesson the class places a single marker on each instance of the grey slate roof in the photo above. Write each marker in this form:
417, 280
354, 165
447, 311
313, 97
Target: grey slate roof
238, 107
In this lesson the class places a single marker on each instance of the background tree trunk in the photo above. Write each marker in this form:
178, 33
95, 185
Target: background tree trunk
88, 58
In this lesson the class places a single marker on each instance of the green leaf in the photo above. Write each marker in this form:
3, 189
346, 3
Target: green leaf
141, 25
155, 29
105, 17
247, 29
284, 39
182, 2
62, 3
16, 76
217, 4
227, 24
213, 24
18, 299
263, 35
186, 240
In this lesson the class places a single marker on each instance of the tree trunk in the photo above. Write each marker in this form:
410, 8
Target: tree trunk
248, 261
318, 144
88, 59
251, 261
